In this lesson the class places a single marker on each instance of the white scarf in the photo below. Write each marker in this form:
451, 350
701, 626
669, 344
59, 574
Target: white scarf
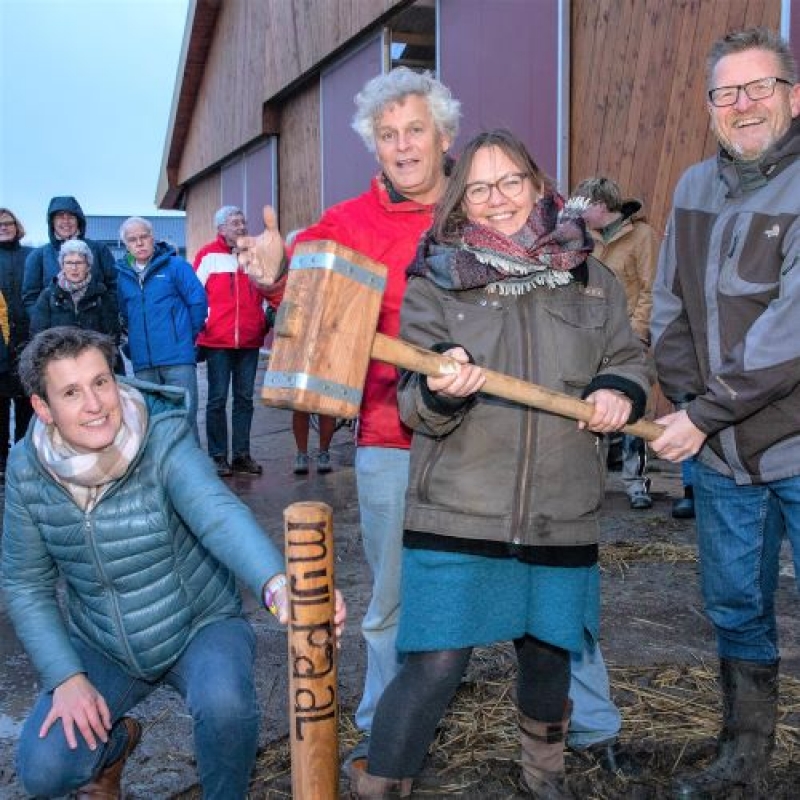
88, 475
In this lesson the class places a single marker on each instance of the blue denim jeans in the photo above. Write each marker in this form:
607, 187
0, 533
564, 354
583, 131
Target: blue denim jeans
687, 472
183, 375
595, 718
236, 369
215, 677
634, 465
740, 530
382, 478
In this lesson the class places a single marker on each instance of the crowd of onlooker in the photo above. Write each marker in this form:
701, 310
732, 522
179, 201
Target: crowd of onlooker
164, 314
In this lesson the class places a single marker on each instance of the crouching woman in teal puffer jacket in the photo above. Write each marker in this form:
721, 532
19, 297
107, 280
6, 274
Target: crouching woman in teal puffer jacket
110, 492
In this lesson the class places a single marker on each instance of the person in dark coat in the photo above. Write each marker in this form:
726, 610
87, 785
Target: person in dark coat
12, 269
65, 221
74, 297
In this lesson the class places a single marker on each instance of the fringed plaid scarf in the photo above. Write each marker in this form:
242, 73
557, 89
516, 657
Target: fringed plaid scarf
553, 242
86, 476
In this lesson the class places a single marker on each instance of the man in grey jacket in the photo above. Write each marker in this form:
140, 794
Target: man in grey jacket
110, 493
724, 324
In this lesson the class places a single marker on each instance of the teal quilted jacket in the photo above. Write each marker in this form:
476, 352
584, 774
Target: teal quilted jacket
154, 562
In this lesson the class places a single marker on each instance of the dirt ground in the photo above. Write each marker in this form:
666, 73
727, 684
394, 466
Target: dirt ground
653, 627
653, 623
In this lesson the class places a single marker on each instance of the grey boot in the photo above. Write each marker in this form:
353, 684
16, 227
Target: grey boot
364, 786
744, 746
543, 757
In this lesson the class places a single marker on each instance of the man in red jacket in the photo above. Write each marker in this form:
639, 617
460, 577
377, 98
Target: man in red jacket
230, 342
408, 120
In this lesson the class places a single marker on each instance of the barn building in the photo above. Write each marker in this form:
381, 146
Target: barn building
264, 95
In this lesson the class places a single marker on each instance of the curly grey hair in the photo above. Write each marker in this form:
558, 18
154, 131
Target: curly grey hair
393, 87
78, 247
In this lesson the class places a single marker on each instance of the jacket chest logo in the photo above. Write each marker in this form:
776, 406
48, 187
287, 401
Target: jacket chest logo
772, 232
594, 291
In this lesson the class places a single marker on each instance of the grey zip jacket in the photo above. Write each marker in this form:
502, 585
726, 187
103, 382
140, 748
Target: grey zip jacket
726, 311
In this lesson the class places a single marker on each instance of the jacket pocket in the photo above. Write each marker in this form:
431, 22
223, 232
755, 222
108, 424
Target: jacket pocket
576, 333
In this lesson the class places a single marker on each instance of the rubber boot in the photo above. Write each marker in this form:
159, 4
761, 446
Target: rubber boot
543, 756
744, 746
364, 786
108, 784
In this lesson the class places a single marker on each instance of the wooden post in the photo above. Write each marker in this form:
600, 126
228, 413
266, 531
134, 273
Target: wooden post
313, 701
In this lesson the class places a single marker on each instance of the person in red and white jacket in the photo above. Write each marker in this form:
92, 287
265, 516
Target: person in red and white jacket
230, 343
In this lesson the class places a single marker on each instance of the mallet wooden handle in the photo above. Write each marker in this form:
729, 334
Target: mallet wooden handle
417, 359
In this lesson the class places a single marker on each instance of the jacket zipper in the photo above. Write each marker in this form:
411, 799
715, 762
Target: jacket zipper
106, 584
236, 306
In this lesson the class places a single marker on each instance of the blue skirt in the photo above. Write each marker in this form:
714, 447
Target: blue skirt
453, 600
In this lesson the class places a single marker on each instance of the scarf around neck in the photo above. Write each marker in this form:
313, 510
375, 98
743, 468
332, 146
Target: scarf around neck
86, 476
553, 242
75, 289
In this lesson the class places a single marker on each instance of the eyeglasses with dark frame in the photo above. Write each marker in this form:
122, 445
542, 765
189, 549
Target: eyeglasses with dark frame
759, 89
509, 186
7, 223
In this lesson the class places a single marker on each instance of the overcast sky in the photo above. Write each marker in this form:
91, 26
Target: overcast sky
85, 94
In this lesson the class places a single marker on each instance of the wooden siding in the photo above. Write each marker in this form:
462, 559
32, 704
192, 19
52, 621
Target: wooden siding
228, 111
302, 35
260, 49
203, 198
638, 112
298, 160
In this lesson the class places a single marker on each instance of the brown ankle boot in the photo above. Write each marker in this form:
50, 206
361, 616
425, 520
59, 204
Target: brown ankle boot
106, 786
543, 757
364, 786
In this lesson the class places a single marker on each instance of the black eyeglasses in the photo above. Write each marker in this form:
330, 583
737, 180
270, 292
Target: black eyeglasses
759, 89
509, 186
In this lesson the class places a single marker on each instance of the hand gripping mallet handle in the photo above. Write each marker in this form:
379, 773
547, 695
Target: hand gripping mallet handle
313, 704
417, 359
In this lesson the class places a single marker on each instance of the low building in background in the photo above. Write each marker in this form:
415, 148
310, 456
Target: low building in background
104, 228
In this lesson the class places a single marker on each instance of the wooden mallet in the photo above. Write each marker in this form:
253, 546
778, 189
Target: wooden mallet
325, 335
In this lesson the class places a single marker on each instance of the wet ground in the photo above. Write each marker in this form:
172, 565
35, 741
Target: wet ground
652, 616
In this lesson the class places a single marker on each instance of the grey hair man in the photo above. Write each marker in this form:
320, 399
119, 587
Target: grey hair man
724, 324
163, 308
230, 343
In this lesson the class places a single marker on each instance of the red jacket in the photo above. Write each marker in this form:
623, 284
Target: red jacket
387, 232
236, 317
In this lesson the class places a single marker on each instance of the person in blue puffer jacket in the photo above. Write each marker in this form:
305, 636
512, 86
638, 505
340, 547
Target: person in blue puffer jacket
110, 497
164, 307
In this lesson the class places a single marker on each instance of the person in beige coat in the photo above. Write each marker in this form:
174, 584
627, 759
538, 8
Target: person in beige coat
629, 247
